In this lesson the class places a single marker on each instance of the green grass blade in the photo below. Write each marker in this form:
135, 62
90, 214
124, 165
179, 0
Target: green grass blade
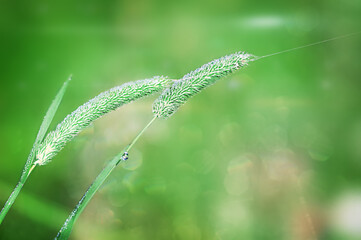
40, 136
51, 112
66, 229
68, 225
48, 118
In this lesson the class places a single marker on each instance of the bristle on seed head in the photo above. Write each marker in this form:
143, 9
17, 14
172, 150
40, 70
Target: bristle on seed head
84, 115
192, 83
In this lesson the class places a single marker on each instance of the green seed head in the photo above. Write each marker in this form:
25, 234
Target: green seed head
192, 83
92, 110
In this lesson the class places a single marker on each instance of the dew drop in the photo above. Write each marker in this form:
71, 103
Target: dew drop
125, 156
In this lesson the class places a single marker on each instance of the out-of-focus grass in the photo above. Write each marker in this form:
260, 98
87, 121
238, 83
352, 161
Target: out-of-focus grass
31, 206
228, 164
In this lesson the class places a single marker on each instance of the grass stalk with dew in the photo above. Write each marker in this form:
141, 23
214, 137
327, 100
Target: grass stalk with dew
164, 106
167, 104
68, 225
45, 149
28, 168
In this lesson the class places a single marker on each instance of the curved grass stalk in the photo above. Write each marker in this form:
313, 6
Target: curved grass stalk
68, 225
166, 104
28, 168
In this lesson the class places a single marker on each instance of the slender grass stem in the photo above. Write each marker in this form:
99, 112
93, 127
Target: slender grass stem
29, 165
67, 227
13, 195
140, 134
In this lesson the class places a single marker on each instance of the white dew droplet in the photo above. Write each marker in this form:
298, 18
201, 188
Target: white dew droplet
125, 156
135, 162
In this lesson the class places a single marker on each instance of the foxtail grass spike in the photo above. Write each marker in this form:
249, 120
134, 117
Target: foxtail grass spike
192, 83
92, 110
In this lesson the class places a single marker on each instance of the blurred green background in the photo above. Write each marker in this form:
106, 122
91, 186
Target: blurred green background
271, 152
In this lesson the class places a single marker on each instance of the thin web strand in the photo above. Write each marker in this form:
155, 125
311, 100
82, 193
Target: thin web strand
308, 45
